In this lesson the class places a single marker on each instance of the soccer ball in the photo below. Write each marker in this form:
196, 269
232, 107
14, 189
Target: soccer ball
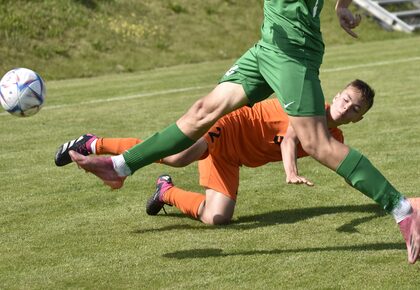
22, 92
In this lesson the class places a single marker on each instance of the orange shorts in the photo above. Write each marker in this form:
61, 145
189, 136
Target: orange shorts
217, 174
220, 169
246, 137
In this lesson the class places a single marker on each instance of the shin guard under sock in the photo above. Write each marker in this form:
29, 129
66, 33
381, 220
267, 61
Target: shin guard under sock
167, 142
362, 175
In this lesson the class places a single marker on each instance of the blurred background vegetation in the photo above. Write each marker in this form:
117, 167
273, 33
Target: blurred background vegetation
82, 38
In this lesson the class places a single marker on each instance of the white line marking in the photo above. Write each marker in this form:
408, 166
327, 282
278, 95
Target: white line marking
143, 95
165, 92
379, 63
173, 91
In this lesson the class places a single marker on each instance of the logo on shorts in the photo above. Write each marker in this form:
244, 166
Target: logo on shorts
288, 104
232, 70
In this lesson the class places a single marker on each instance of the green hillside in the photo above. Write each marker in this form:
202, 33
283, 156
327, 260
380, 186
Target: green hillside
82, 38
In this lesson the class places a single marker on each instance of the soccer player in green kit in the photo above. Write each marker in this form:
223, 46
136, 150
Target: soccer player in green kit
286, 61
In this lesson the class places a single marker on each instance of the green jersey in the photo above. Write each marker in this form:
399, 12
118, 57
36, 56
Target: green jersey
293, 27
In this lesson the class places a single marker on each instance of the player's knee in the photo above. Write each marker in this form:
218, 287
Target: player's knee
221, 220
216, 219
204, 114
318, 150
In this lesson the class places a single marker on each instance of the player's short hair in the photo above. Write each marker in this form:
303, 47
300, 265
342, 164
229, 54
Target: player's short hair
367, 92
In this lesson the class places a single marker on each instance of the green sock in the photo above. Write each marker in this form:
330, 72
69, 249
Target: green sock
165, 143
362, 175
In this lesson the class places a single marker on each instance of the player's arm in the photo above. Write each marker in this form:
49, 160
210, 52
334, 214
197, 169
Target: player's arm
347, 20
289, 155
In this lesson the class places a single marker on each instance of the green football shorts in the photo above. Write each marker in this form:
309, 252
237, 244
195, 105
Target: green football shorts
262, 71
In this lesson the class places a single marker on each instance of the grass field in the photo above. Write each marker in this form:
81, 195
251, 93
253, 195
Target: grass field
61, 228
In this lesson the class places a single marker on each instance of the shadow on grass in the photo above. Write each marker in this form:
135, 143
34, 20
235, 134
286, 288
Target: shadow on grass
212, 252
288, 216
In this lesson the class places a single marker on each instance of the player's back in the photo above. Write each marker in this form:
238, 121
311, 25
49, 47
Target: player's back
252, 132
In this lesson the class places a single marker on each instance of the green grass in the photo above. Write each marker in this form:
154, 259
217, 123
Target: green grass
61, 228
85, 38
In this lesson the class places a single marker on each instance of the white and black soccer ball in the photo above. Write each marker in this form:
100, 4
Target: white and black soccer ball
22, 92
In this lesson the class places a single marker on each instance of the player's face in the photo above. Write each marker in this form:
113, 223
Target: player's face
348, 106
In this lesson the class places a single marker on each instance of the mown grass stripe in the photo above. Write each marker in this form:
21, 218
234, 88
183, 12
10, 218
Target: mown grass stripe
195, 88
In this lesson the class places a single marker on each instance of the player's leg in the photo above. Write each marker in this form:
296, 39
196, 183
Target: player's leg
225, 98
317, 142
103, 167
242, 84
115, 146
214, 208
91, 144
298, 87
359, 173
217, 209
220, 176
189, 155
166, 193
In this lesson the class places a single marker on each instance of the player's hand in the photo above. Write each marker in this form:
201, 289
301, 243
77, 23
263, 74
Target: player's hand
347, 20
296, 179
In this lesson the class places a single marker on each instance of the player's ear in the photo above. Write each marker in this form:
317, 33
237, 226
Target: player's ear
336, 96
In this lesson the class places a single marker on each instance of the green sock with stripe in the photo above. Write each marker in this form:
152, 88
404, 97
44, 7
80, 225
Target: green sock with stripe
165, 143
362, 175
